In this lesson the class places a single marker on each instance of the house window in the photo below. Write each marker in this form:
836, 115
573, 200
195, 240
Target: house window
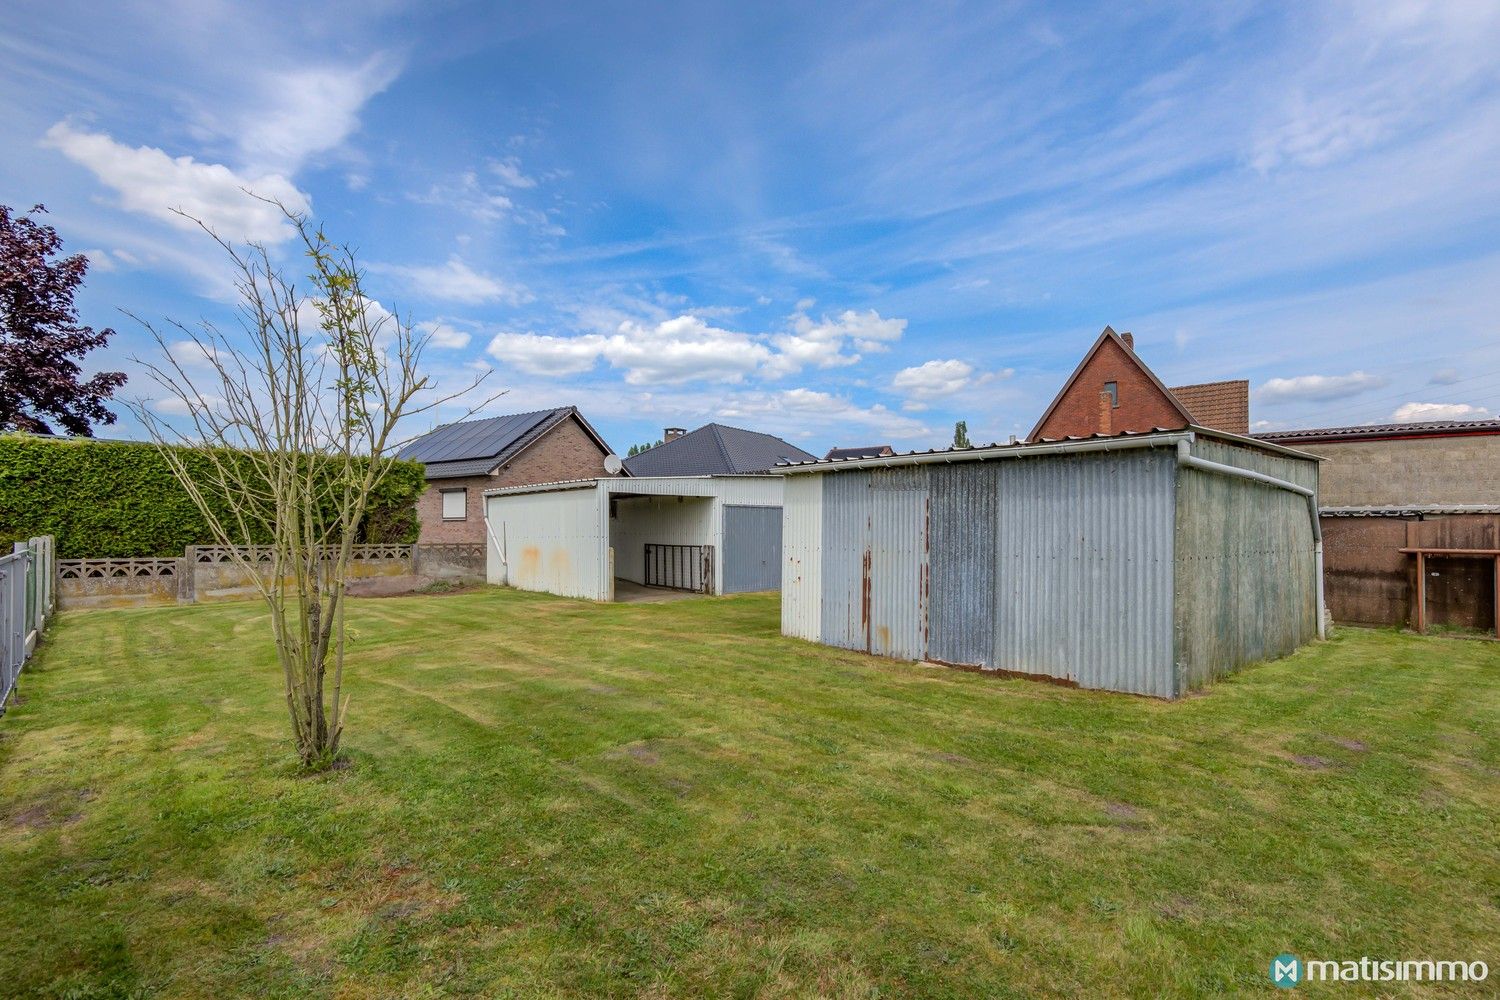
455, 505
1113, 388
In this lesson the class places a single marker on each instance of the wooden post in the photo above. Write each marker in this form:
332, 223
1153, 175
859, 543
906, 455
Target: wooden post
1421, 592
1497, 597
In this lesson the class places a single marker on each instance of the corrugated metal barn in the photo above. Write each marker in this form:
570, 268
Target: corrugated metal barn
707, 534
1147, 563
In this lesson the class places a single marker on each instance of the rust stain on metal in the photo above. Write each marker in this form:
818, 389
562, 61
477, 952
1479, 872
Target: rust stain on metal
1023, 675
864, 599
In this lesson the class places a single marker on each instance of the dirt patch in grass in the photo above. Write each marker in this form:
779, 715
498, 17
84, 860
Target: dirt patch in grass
1358, 746
950, 758
1313, 762
642, 753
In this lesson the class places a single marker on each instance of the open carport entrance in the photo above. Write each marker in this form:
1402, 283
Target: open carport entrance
596, 538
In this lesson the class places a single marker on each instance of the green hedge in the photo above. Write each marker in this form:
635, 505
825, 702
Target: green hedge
118, 499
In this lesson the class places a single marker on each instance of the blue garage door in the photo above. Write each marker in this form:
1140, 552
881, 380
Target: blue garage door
752, 549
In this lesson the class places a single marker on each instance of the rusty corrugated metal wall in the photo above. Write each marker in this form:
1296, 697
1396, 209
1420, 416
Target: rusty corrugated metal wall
1058, 566
1246, 587
1084, 565
1065, 566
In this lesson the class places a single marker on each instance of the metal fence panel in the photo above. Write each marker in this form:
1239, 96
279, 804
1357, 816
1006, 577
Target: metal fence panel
26, 604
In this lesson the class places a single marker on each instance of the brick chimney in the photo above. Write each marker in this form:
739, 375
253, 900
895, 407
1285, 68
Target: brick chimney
672, 434
1129, 339
1106, 414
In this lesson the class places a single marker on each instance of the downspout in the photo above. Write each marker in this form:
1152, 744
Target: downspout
1186, 458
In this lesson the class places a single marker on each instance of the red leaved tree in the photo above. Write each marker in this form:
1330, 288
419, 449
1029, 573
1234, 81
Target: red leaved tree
40, 336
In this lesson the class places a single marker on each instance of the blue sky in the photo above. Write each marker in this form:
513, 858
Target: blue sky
838, 223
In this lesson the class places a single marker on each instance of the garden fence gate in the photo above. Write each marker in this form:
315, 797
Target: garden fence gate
27, 599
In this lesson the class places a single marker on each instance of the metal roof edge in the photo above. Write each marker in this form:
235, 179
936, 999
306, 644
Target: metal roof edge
1254, 442
1400, 509
1021, 449
580, 484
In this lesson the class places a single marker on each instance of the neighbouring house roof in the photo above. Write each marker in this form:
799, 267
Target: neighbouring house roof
1223, 405
868, 451
715, 450
1371, 432
478, 447
1106, 336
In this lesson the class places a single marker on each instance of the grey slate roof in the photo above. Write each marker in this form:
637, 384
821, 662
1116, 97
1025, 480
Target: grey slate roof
475, 447
715, 450
1367, 431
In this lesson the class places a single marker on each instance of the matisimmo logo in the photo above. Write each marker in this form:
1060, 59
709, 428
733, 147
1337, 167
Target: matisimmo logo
1288, 970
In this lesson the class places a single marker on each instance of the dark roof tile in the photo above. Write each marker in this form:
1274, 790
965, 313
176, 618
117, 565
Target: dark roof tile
715, 450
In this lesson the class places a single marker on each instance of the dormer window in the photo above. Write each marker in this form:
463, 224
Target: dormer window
1113, 388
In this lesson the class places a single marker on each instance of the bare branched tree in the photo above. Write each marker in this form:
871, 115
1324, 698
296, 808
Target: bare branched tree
298, 419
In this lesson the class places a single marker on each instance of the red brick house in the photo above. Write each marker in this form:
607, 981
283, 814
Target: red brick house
1112, 391
465, 459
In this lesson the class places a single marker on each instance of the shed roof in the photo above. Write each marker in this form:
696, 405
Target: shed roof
1020, 449
1410, 510
1369, 432
868, 451
716, 449
476, 447
661, 485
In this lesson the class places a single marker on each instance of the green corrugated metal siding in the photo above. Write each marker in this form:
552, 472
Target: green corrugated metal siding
1244, 587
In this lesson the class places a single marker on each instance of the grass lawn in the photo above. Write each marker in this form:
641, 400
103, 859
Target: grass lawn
551, 798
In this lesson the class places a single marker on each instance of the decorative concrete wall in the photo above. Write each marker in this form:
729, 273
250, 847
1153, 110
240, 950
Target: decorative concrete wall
211, 573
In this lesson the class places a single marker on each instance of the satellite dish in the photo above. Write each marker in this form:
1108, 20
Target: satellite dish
613, 465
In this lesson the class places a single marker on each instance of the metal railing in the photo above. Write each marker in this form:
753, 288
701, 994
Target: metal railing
680, 567
27, 599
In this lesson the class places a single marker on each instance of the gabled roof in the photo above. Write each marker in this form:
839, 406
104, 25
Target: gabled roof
868, 451
1367, 432
1109, 335
715, 450
478, 447
1225, 405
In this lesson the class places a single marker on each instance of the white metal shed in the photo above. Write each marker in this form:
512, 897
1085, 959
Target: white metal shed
711, 534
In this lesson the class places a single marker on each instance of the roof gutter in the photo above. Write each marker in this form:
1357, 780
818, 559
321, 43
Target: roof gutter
1186, 459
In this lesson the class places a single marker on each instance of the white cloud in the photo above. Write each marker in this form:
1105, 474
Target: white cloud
1409, 412
1316, 388
152, 183
176, 406
683, 349
454, 281
822, 343
538, 354
940, 380
469, 196
308, 111
100, 260
670, 352
797, 410
510, 174
1445, 376
444, 336
933, 378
